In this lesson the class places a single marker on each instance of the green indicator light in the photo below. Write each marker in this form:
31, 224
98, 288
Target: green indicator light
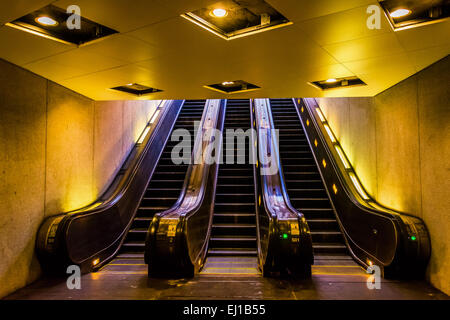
285, 235
413, 238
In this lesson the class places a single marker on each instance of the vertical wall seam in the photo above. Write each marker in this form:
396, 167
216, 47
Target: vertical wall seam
93, 188
374, 108
420, 147
122, 108
46, 146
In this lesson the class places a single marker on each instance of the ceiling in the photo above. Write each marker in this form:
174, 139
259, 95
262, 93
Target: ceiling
158, 48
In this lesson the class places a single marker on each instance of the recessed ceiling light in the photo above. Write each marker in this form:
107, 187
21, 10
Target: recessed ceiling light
243, 18
230, 87
50, 22
338, 83
400, 13
136, 89
47, 21
219, 13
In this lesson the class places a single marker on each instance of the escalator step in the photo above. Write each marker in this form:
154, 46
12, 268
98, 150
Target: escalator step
232, 252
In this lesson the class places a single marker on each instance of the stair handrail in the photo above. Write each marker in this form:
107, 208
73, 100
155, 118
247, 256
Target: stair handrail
177, 239
91, 236
396, 242
284, 236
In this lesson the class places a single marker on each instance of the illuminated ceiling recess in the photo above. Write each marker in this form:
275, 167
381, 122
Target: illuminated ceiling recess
404, 14
230, 87
338, 83
136, 89
235, 19
51, 22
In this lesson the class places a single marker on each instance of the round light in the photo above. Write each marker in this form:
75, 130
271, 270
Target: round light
219, 13
331, 80
227, 83
400, 13
47, 21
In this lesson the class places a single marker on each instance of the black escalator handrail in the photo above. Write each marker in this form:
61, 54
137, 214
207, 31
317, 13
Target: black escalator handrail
396, 242
289, 239
91, 236
177, 238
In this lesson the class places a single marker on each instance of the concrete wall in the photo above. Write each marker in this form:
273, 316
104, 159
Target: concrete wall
58, 152
399, 144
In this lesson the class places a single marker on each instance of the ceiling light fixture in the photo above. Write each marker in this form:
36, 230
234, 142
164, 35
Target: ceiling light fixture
229, 87
47, 21
332, 80
400, 13
50, 22
219, 13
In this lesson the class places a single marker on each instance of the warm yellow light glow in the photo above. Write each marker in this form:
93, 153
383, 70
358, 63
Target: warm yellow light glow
343, 157
378, 207
95, 205
37, 33
144, 135
316, 143
335, 189
324, 163
302, 110
358, 186
307, 123
155, 116
259, 200
219, 13
227, 83
47, 21
95, 262
400, 13
332, 80
321, 116
330, 133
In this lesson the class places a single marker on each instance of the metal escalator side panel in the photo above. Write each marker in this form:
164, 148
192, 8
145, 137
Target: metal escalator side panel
177, 237
90, 236
375, 235
167, 182
289, 236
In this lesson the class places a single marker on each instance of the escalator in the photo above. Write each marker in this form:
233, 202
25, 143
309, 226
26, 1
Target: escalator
164, 188
305, 187
233, 235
